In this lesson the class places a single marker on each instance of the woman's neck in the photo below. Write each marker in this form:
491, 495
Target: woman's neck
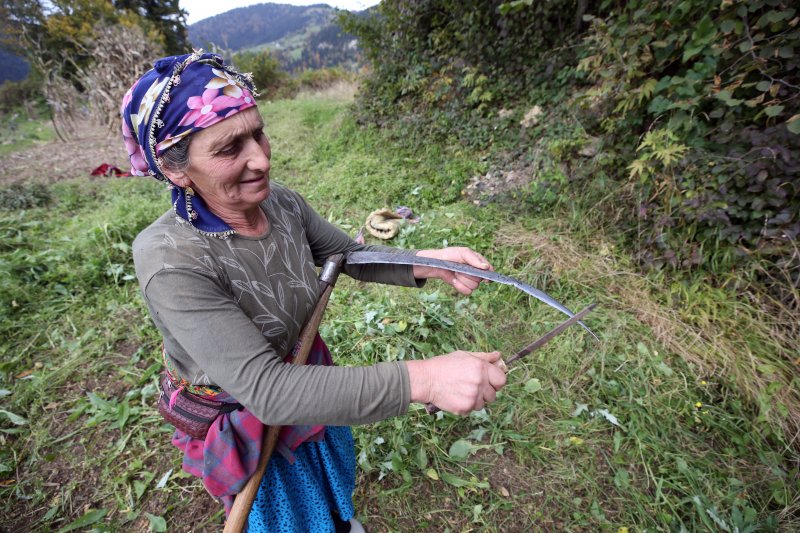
250, 223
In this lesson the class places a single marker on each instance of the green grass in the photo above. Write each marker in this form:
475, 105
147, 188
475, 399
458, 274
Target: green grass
17, 132
585, 437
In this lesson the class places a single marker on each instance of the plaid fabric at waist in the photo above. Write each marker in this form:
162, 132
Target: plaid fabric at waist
228, 456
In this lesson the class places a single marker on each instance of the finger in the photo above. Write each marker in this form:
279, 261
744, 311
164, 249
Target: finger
475, 259
461, 287
489, 395
464, 286
478, 404
489, 357
468, 281
497, 378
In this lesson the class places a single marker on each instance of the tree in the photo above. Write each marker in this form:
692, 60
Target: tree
167, 17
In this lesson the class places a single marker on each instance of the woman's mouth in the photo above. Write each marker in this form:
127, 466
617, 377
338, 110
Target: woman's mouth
255, 180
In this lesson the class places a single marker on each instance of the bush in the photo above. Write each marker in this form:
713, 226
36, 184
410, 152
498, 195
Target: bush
696, 106
270, 80
24, 93
712, 92
24, 196
322, 78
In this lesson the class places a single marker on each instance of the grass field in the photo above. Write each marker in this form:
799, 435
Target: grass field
679, 419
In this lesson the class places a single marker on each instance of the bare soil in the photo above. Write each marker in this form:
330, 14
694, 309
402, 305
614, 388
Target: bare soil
46, 162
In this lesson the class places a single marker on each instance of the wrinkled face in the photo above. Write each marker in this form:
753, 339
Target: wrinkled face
229, 164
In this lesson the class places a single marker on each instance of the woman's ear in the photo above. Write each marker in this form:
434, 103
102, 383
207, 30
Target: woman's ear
178, 177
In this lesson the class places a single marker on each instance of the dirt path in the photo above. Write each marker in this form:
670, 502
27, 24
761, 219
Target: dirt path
51, 161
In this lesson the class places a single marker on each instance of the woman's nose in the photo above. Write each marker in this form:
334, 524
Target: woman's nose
256, 157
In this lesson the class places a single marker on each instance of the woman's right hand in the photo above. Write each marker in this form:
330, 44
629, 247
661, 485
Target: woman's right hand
459, 382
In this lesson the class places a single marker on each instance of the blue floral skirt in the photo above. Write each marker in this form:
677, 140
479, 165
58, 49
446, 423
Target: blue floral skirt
300, 497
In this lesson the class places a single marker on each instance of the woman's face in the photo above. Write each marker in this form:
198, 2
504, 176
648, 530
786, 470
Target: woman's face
229, 164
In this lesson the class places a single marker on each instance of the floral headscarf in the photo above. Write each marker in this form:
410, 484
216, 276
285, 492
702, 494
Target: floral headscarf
179, 96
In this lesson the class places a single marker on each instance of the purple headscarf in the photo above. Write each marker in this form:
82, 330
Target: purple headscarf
179, 96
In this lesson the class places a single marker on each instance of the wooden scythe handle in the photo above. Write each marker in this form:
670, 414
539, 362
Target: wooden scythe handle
244, 500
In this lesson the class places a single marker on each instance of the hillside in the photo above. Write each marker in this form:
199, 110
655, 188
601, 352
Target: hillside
12, 67
301, 37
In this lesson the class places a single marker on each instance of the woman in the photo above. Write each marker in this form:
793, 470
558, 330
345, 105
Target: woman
229, 277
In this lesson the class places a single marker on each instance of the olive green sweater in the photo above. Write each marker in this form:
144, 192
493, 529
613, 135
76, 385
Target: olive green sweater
230, 310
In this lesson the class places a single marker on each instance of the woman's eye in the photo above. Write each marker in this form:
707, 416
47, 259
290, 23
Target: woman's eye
229, 150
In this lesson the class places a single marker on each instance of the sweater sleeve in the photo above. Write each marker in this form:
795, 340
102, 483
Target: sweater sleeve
325, 240
194, 312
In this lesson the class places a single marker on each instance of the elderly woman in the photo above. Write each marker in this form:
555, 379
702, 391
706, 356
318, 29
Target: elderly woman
228, 274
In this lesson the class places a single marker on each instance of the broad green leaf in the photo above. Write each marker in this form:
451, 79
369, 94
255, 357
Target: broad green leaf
664, 369
580, 408
476, 512
422, 458
456, 481
4, 392
763, 86
642, 349
459, 450
533, 385
49, 514
14, 418
431, 473
138, 488
622, 479
91, 517
157, 523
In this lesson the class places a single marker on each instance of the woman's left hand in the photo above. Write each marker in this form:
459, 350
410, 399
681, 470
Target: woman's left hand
461, 282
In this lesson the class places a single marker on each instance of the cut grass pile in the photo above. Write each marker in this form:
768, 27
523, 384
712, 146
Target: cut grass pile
675, 421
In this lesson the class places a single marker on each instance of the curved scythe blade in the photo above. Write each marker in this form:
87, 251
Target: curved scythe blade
364, 258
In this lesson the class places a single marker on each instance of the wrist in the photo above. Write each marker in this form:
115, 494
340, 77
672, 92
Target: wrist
419, 380
424, 272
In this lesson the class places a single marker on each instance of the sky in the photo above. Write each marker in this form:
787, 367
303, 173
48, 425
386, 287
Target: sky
200, 9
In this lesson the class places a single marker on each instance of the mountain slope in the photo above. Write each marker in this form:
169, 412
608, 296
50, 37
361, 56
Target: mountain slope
300, 37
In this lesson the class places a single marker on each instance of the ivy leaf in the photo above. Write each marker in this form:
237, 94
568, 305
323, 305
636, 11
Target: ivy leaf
728, 98
793, 124
773, 110
763, 86
727, 26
